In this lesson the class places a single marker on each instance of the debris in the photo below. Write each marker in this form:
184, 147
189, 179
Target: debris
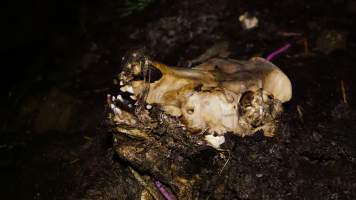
222, 155
306, 46
259, 175
89, 139
247, 21
331, 40
74, 161
300, 113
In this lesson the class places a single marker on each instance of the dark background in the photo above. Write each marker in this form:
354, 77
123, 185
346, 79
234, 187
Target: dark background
59, 59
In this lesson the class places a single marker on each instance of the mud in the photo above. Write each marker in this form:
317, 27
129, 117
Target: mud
76, 48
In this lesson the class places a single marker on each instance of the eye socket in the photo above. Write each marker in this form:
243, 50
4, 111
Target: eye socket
153, 74
246, 99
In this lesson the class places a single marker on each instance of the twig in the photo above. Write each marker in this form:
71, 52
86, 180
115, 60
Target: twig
300, 113
74, 161
288, 34
227, 161
343, 92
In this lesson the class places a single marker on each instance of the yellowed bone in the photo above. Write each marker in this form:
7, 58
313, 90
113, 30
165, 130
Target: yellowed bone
207, 97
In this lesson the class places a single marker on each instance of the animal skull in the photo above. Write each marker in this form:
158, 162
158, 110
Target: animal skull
217, 97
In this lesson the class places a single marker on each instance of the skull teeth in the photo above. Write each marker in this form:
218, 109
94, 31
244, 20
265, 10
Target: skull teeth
119, 97
115, 109
133, 97
127, 88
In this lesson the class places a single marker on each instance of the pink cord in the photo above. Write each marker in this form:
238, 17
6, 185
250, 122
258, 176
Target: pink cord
163, 191
278, 51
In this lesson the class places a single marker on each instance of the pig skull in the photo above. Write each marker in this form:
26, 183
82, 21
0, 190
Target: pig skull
217, 97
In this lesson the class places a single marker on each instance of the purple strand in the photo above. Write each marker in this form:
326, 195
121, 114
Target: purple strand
163, 191
278, 51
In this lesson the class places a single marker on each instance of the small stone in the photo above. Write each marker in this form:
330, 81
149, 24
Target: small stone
259, 175
247, 21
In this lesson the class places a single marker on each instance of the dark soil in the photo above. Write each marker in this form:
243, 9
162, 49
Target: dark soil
60, 59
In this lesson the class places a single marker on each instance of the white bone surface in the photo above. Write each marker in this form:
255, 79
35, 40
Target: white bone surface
207, 97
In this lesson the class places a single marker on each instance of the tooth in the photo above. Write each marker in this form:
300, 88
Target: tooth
130, 89
117, 111
127, 88
130, 105
133, 97
112, 106
148, 107
113, 98
121, 83
119, 97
